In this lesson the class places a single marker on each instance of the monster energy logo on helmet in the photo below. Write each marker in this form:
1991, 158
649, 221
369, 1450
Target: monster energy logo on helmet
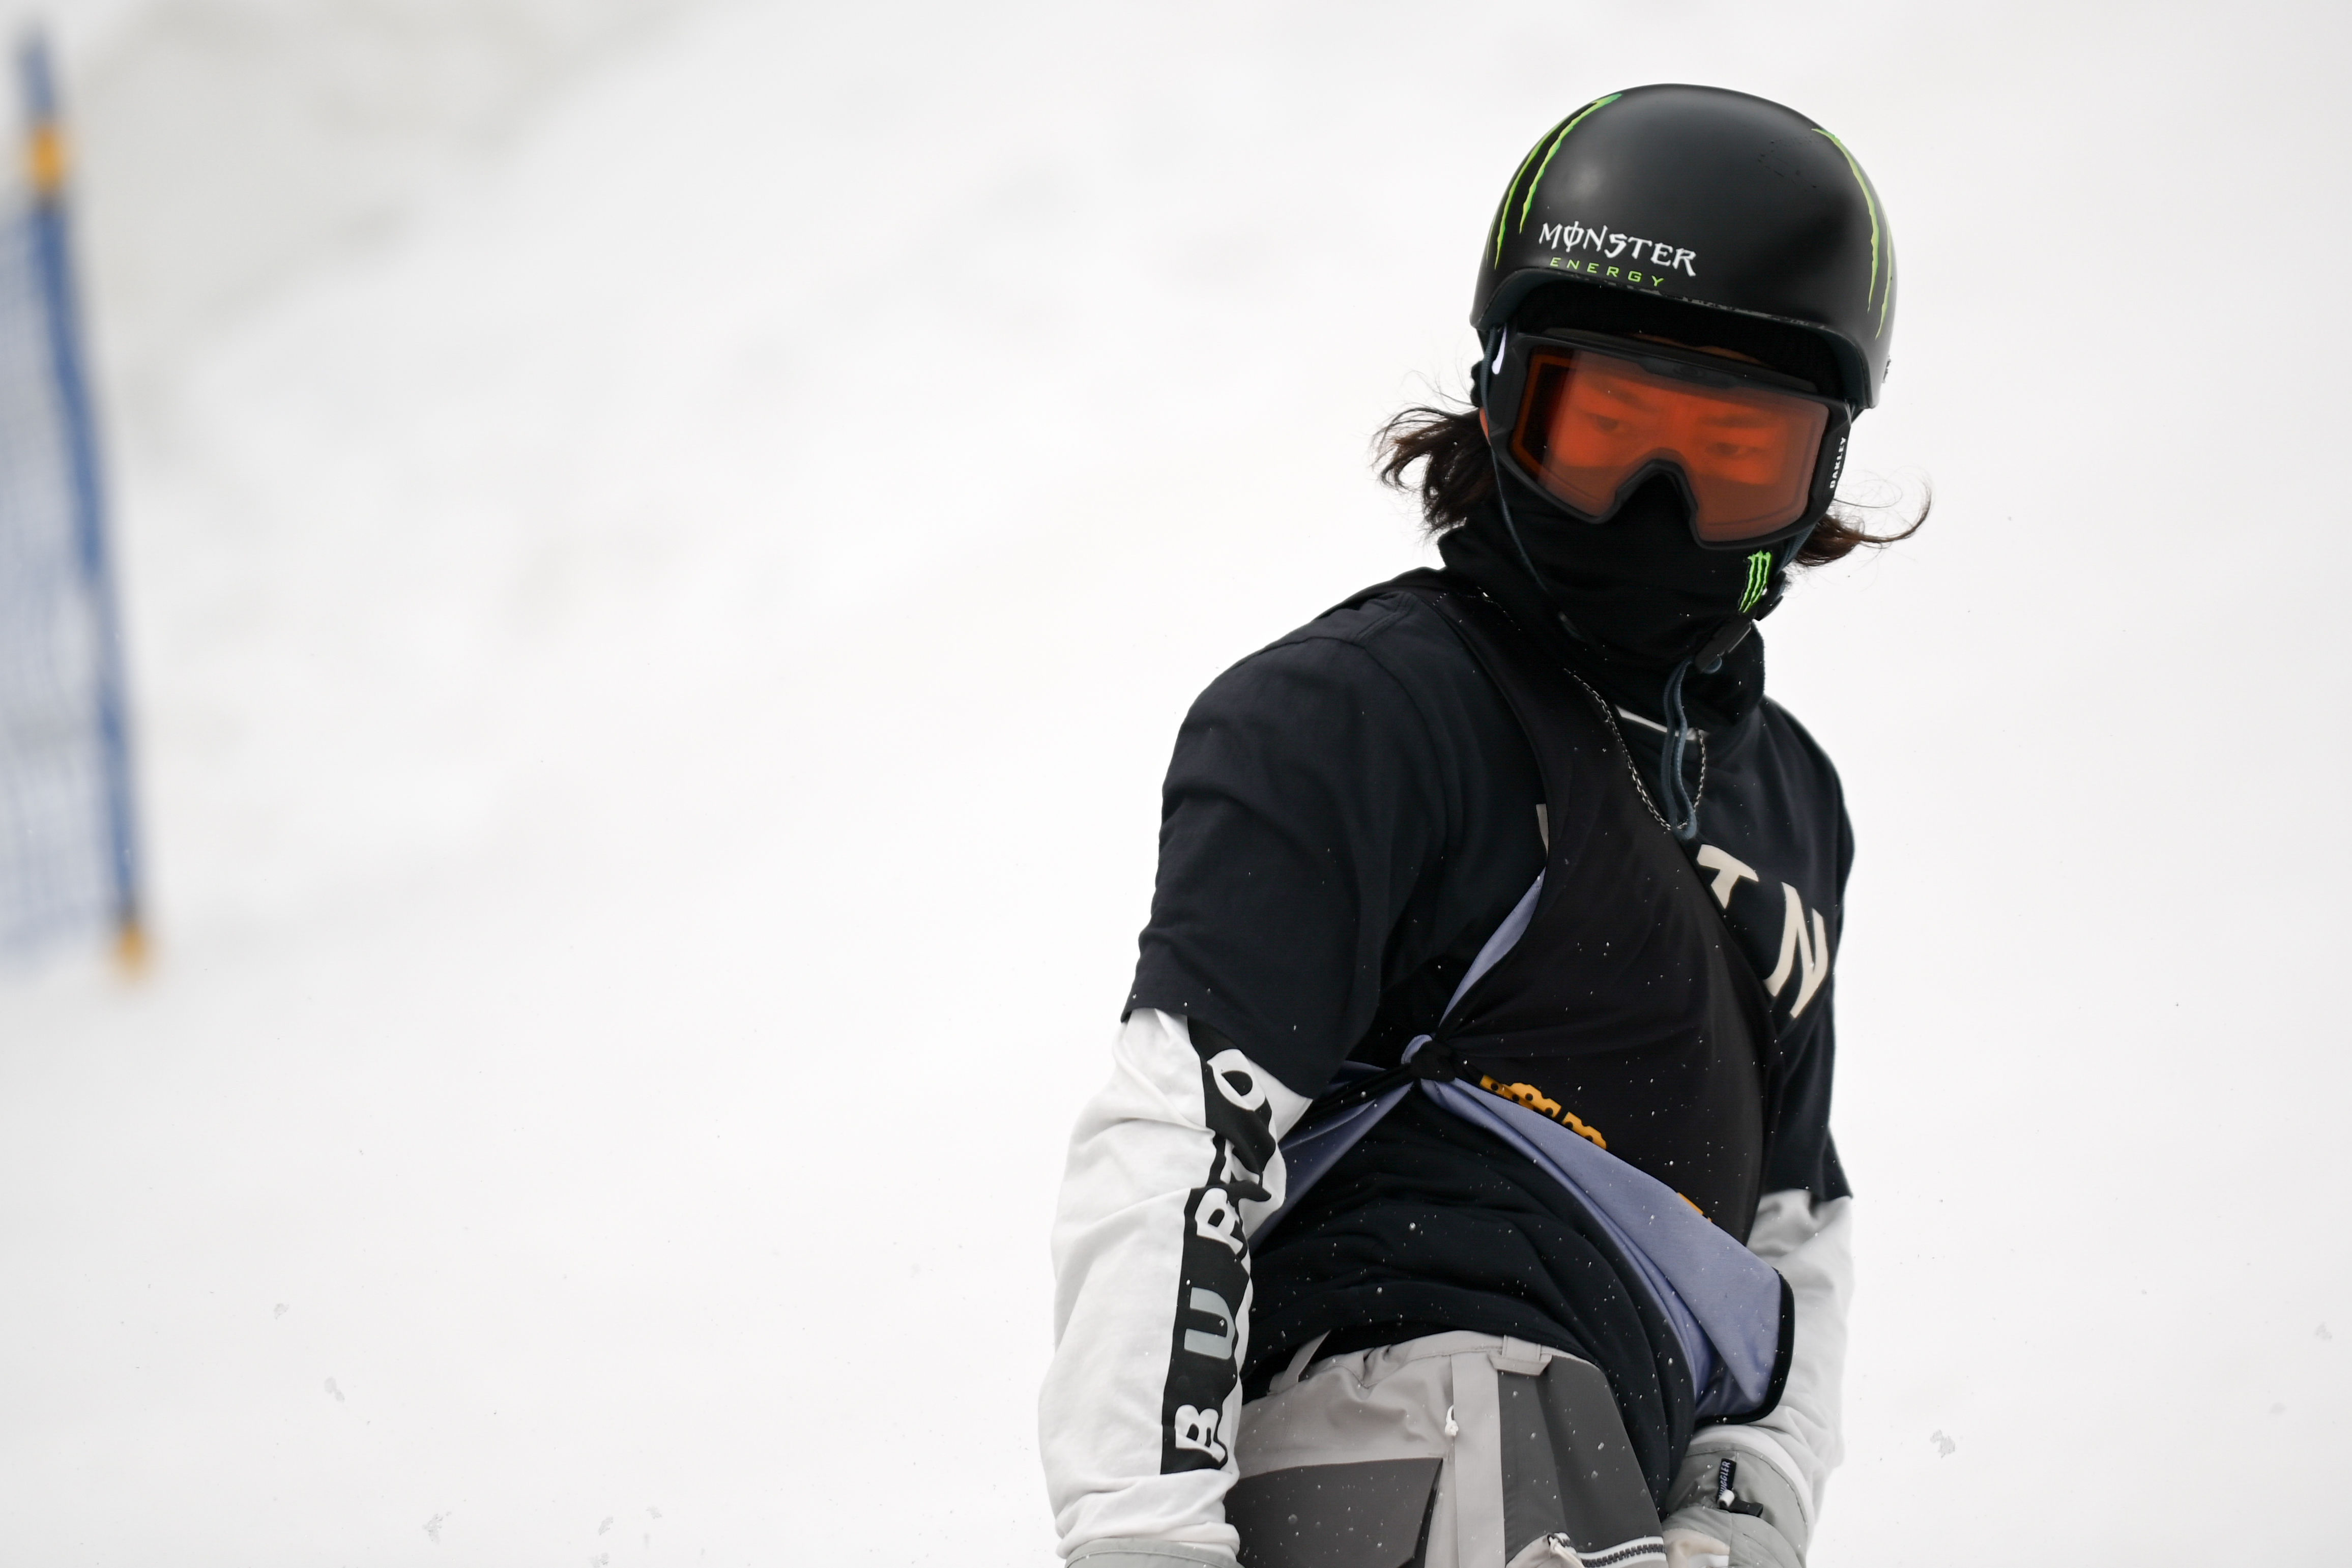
1610, 245
1708, 198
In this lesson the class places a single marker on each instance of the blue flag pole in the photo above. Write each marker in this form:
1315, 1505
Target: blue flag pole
52, 249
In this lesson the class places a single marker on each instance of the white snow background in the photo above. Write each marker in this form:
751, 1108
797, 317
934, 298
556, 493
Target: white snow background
664, 553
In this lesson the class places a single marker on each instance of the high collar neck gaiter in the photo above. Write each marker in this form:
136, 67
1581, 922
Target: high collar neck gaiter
1643, 596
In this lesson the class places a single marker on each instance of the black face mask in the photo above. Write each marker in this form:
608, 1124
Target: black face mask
1638, 586
1641, 593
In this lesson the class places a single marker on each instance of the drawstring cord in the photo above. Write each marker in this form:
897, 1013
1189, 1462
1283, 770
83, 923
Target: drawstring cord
1681, 807
1684, 824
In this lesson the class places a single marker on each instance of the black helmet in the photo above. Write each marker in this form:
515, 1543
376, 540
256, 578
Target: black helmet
1706, 197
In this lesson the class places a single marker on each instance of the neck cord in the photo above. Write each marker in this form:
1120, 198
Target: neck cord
1608, 717
1689, 830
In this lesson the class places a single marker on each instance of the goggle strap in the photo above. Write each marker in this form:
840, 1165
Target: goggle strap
1512, 528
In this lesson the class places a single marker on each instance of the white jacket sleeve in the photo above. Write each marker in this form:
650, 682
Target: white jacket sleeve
1812, 1247
1171, 1165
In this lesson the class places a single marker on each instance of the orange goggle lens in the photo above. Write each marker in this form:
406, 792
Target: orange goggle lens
1591, 421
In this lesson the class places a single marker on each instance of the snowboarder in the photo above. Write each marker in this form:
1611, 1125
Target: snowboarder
1463, 1192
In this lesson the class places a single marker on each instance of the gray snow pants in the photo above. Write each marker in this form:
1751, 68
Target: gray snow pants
1459, 1451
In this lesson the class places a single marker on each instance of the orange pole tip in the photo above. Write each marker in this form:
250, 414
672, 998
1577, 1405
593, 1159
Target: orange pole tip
131, 950
45, 160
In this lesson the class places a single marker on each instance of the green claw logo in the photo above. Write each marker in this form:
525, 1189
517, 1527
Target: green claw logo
1547, 146
1870, 200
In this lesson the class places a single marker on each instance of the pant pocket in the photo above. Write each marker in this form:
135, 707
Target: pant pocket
1373, 1513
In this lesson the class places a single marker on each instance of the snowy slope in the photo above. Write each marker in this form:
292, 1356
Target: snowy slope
650, 835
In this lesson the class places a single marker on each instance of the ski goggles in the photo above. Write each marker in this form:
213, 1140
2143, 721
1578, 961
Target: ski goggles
1588, 419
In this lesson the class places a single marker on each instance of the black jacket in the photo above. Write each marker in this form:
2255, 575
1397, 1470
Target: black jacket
1347, 816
